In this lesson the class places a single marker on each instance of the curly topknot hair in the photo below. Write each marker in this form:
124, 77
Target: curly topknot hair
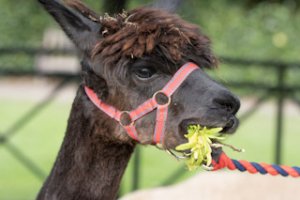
142, 31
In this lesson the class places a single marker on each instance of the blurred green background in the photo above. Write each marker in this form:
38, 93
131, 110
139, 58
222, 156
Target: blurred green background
240, 29
266, 30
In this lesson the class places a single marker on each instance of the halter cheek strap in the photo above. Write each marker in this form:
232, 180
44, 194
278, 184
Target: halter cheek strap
127, 118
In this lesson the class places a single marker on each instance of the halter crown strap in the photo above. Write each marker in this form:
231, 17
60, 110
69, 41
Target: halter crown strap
127, 118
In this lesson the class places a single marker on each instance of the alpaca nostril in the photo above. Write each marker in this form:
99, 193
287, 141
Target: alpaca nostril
224, 104
228, 103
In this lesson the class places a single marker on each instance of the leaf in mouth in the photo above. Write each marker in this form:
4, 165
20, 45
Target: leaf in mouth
199, 145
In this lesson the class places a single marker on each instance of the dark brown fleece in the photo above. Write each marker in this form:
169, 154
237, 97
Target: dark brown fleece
142, 31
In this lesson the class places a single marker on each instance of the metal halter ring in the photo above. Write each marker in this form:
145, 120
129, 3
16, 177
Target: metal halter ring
122, 123
160, 92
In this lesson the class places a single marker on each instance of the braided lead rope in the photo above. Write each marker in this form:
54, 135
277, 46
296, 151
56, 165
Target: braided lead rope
253, 167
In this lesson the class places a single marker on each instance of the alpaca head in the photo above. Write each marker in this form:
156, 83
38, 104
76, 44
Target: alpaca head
130, 56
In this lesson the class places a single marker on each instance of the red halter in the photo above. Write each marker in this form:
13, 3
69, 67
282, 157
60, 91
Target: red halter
127, 118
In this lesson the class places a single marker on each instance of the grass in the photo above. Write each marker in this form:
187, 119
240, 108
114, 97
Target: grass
41, 139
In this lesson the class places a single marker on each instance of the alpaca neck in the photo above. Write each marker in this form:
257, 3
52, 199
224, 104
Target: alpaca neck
89, 165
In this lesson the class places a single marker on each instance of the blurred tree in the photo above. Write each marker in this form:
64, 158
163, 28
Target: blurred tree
114, 6
169, 5
267, 31
290, 3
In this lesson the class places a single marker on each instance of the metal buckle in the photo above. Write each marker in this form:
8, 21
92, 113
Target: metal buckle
160, 92
130, 123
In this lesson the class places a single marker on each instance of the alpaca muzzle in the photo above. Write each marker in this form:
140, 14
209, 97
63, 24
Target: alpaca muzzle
159, 101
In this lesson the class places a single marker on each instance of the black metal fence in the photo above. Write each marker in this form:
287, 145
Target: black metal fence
281, 91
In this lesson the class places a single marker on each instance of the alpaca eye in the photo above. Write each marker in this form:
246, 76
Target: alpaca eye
145, 72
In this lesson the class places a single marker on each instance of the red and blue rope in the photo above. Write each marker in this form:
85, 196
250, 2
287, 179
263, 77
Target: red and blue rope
253, 167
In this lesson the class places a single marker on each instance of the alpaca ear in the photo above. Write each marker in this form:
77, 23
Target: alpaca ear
78, 22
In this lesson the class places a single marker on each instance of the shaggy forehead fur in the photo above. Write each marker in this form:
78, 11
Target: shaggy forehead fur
146, 31
140, 31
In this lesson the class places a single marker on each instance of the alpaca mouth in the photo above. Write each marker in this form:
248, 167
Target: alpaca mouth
204, 145
216, 151
228, 127
231, 126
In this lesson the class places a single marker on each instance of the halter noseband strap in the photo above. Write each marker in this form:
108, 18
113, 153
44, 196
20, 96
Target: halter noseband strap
127, 118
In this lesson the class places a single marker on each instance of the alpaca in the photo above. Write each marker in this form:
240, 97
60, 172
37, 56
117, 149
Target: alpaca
126, 60
224, 185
